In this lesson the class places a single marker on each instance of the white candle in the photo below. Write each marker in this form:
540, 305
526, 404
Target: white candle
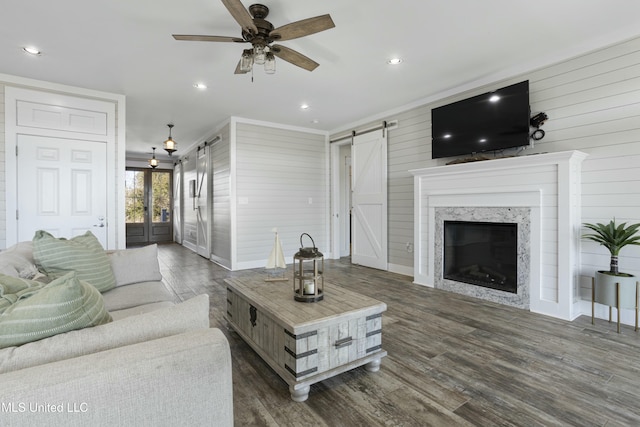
309, 287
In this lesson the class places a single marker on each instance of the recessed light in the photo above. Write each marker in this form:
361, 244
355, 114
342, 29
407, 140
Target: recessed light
394, 61
315, 121
31, 50
494, 98
200, 85
304, 106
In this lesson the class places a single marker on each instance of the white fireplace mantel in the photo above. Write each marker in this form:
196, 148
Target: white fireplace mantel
547, 185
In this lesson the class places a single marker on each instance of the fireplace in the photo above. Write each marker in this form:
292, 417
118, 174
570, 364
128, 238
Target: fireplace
539, 193
472, 220
482, 254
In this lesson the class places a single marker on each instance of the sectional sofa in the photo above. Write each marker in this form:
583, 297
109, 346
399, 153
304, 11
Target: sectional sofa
148, 360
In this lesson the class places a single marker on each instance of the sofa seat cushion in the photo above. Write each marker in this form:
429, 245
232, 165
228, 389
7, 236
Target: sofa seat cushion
83, 254
190, 315
136, 294
40, 311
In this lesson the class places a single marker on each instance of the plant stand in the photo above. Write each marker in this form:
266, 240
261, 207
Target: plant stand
614, 291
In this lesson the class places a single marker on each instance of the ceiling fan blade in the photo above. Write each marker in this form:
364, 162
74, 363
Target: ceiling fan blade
238, 70
241, 15
296, 58
302, 28
188, 37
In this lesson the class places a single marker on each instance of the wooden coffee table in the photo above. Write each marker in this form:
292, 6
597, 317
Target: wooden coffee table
306, 342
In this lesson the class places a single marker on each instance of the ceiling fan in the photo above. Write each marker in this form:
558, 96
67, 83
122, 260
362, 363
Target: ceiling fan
261, 34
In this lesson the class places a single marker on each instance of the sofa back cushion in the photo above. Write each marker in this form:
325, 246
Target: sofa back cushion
190, 315
83, 254
18, 261
40, 311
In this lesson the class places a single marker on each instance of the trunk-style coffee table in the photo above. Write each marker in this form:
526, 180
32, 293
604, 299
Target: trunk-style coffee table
306, 342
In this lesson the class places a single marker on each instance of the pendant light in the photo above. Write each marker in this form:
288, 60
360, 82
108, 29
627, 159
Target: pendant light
153, 162
170, 145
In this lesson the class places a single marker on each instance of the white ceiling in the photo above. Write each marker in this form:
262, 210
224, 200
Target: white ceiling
125, 47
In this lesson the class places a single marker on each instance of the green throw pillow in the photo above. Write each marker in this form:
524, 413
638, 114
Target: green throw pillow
14, 288
82, 254
63, 305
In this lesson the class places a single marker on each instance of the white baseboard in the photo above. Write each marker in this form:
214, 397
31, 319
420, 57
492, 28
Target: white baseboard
400, 269
224, 263
190, 246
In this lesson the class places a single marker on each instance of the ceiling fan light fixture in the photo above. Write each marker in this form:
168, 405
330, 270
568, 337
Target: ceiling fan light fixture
246, 61
270, 63
153, 162
259, 55
170, 146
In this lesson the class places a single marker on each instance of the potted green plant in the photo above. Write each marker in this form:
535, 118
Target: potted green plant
614, 237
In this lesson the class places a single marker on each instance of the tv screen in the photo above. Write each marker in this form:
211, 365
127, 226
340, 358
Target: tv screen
492, 121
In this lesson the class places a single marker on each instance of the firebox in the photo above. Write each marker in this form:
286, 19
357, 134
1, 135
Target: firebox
482, 254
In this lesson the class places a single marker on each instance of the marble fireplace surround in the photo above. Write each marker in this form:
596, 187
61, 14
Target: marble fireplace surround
541, 193
513, 215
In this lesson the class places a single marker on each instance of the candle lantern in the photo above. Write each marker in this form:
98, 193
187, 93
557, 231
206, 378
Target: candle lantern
308, 265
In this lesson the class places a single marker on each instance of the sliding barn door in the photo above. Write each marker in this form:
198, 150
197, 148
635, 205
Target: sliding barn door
202, 202
178, 194
369, 200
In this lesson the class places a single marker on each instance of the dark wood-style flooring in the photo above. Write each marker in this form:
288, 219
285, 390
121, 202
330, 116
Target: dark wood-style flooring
453, 361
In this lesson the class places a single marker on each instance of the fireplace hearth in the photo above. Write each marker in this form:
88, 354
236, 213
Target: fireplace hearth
482, 254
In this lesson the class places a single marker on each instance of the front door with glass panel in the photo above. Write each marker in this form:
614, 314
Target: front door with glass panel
149, 200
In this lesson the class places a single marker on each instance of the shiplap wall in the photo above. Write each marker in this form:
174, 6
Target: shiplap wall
593, 104
221, 199
281, 181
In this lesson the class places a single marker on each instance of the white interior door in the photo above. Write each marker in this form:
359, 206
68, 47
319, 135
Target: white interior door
369, 199
62, 187
202, 201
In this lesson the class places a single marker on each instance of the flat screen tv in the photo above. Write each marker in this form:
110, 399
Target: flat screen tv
492, 121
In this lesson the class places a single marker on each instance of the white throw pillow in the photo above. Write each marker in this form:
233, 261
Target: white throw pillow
136, 265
